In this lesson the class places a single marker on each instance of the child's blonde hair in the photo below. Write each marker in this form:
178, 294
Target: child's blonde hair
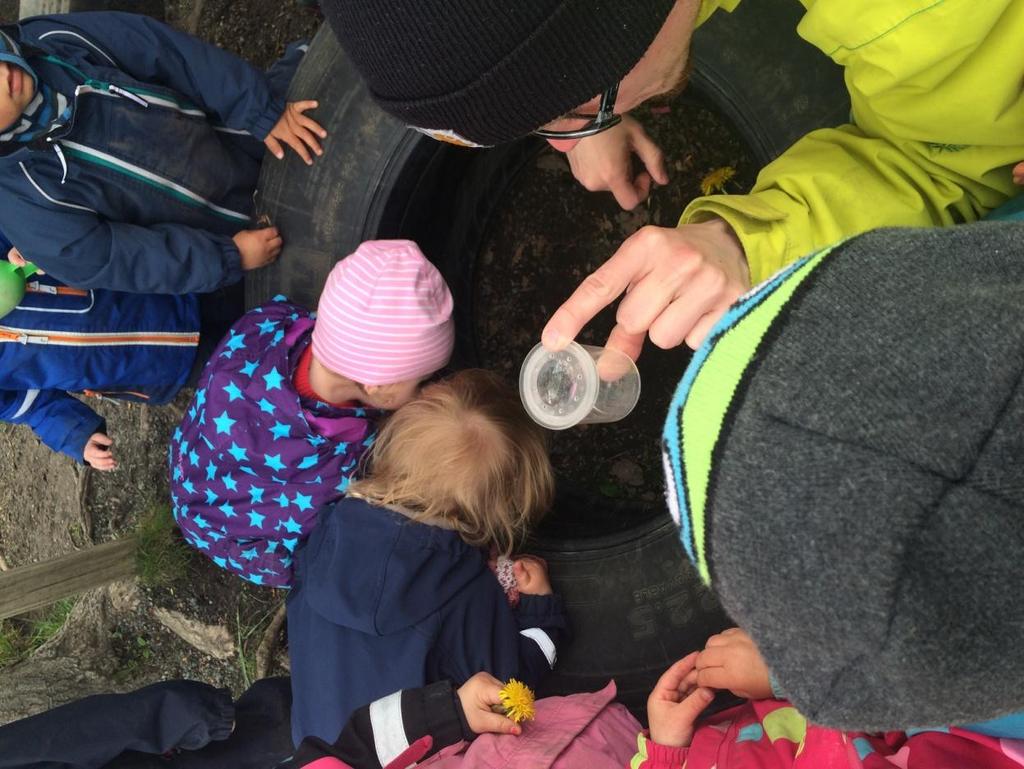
464, 452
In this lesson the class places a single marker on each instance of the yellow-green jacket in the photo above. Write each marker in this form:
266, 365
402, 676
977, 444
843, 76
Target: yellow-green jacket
937, 122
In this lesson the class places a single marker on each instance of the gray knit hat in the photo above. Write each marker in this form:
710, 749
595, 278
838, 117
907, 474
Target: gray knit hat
845, 456
490, 71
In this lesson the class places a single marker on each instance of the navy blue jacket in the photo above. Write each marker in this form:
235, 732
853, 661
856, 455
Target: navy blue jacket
112, 343
380, 603
143, 188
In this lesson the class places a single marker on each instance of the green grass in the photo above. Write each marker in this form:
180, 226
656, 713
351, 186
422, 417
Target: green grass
20, 637
162, 558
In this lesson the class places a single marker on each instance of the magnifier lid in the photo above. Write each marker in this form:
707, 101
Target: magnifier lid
558, 389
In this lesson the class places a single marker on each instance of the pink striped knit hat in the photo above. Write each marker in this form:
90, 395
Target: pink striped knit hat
385, 315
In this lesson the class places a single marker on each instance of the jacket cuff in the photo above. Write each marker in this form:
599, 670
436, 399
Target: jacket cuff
444, 719
757, 225
76, 438
263, 124
655, 756
218, 724
539, 610
232, 264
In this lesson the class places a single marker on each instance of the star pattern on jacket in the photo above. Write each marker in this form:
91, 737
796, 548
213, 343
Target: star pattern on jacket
252, 463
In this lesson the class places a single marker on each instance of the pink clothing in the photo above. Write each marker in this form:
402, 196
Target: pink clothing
385, 316
586, 731
771, 734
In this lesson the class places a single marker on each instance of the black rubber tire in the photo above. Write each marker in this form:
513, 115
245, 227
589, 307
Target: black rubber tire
636, 606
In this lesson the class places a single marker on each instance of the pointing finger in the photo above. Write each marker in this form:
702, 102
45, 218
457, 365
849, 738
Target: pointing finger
597, 291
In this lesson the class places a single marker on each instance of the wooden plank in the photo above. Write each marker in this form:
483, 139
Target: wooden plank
27, 588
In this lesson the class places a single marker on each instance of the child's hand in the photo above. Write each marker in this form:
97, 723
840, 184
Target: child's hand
477, 696
258, 247
14, 257
297, 131
1018, 174
675, 703
731, 660
98, 454
531, 575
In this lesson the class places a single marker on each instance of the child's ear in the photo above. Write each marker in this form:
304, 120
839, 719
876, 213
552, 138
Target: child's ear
371, 389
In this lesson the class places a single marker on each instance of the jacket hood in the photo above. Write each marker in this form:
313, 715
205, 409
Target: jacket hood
375, 571
49, 108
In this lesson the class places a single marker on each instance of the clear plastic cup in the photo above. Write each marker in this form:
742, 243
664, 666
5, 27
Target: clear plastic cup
579, 385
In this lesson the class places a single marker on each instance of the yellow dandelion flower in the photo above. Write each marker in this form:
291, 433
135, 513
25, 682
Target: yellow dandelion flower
716, 180
517, 699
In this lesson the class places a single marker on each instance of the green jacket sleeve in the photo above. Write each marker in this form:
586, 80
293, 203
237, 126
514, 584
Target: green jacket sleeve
937, 124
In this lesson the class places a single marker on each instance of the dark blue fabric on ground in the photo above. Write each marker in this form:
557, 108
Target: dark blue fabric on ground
91, 732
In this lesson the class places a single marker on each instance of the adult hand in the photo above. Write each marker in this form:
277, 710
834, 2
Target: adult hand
531, 575
604, 162
14, 257
298, 131
1018, 174
731, 660
675, 703
678, 282
258, 248
477, 696
98, 454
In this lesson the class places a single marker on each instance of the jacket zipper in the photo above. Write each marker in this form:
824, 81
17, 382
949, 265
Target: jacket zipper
42, 288
105, 395
73, 339
96, 157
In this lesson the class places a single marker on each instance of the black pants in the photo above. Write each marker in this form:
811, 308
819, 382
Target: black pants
170, 725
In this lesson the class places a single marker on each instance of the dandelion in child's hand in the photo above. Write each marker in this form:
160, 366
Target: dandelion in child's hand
716, 180
517, 700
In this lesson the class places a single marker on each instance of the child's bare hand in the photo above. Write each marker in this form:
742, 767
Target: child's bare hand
14, 257
675, 703
477, 696
258, 247
98, 453
298, 131
731, 660
1018, 174
531, 575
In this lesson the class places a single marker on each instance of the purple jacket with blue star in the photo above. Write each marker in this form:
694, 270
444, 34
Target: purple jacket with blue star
252, 462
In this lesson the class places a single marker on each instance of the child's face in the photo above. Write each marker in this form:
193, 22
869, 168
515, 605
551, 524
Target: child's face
390, 396
17, 90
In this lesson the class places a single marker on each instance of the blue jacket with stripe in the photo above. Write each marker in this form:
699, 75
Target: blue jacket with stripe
107, 342
143, 187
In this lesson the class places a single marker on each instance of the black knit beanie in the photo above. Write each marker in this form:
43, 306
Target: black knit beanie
490, 71
846, 461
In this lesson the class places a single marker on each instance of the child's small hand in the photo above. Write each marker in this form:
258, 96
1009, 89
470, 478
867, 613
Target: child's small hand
297, 131
675, 703
1018, 174
98, 452
14, 257
477, 696
531, 575
258, 247
731, 660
